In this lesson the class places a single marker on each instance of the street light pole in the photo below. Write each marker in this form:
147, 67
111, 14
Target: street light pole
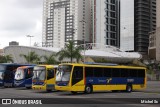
30, 39
84, 22
30, 46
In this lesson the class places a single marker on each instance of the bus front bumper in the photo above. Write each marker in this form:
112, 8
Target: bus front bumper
62, 88
38, 87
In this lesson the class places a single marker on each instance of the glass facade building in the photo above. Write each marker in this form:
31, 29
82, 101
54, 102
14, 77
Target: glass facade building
106, 20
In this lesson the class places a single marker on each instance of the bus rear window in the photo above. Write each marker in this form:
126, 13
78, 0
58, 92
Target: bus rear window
141, 73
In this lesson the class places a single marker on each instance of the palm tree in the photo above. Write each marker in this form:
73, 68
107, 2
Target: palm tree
6, 59
32, 57
70, 51
50, 59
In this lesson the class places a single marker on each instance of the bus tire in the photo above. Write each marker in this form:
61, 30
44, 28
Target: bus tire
88, 89
73, 92
13, 86
28, 87
129, 88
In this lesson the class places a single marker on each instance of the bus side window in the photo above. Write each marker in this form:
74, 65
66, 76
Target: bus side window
98, 72
124, 72
116, 72
141, 73
29, 73
78, 72
9, 73
77, 75
88, 71
50, 74
107, 72
133, 73
10, 68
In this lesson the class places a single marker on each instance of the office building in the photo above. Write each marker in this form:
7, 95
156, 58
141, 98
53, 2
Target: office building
154, 40
105, 15
135, 30
13, 43
65, 20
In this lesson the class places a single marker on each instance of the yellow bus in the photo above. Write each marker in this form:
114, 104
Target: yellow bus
93, 77
44, 77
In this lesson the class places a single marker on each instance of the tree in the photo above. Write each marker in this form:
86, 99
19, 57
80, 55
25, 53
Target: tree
32, 57
70, 51
50, 59
6, 59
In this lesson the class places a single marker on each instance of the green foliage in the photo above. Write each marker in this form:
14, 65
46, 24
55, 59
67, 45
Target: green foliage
100, 60
32, 57
50, 59
70, 51
138, 63
6, 59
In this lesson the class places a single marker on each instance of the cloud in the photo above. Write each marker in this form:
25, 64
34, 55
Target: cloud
19, 18
29, 3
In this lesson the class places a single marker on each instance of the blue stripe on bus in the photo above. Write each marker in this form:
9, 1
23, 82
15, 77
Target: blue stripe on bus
1, 83
62, 83
22, 83
103, 80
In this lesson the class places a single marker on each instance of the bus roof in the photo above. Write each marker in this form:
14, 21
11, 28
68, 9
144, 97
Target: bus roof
17, 64
106, 64
26, 67
98, 65
49, 66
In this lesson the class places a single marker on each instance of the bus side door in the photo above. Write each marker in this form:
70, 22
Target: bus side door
77, 75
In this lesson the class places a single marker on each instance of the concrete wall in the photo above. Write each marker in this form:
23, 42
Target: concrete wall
158, 13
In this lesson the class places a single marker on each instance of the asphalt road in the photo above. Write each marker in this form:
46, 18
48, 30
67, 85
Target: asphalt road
96, 99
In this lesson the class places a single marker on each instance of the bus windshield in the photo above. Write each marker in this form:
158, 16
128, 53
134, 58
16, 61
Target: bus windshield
63, 73
19, 75
39, 73
2, 69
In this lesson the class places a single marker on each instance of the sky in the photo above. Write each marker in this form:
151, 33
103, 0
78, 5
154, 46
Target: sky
19, 18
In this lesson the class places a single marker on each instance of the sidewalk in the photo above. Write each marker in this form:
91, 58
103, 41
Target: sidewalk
153, 87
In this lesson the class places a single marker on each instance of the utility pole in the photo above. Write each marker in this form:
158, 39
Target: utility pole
30, 46
84, 41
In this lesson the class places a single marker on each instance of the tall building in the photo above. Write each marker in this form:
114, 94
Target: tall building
106, 17
154, 40
145, 22
139, 26
65, 20
13, 43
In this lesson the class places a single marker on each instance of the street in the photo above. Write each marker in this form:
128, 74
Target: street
93, 100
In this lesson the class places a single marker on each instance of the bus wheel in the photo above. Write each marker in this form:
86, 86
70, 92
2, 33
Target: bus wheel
88, 89
12, 85
129, 88
28, 87
73, 92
